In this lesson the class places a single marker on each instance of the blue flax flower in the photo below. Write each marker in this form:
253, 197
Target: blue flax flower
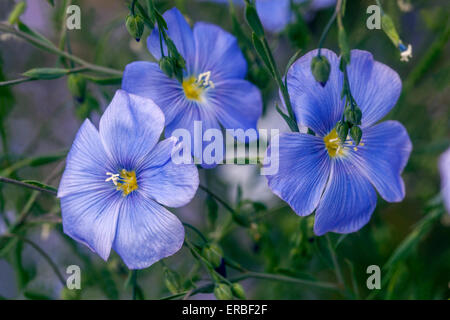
275, 15
333, 177
213, 90
444, 166
116, 180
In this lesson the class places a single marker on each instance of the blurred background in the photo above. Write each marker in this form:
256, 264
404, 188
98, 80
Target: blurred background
39, 120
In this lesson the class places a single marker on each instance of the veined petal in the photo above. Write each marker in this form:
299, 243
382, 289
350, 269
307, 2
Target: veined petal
146, 79
274, 15
348, 201
130, 127
90, 217
304, 167
375, 87
170, 184
146, 232
444, 166
86, 163
181, 34
316, 107
217, 51
237, 104
382, 158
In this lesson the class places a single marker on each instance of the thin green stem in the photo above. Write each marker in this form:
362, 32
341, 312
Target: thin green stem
198, 232
27, 185
22, 80
326, 30
337, 268
52, 49
134, 284
222, 202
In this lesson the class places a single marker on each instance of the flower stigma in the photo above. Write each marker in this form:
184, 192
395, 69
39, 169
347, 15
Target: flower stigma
193, 88
124, 181
336, 147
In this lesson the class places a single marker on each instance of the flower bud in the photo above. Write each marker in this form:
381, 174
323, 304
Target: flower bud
353, 115
356, 134
135, 26
253, 20
238, 291
320, 68
172, 281
342, 130
77, 86
45, 73
223, 292
213, 253
166, 66
18, 10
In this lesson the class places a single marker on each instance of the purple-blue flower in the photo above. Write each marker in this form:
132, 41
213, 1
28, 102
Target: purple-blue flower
117, 180
275, 15
213, 90
444, 166
337, 179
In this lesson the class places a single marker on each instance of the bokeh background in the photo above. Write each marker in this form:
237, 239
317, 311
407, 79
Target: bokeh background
39, 120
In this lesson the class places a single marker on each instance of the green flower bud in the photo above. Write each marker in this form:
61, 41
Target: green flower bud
223, 292
353, 116
46, 73
343, 45
320, 68
166, 66
342, 130
77, 86
389, 28
18, 10
172, 281
253, 20
135, 26
238, 291
213, 253
356, 134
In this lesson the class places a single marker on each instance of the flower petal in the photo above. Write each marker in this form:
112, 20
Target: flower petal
130, 127
304, 167
274, 15
170, 184
316, 107
146, 79
348, 201
146, 232
181, 34
90, 217
444, 166
383, 157
375, 87
217, 51
86, 163
237, 104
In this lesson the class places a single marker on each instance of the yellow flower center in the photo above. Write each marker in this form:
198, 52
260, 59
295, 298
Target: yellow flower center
125, 181
333, 144
191, 89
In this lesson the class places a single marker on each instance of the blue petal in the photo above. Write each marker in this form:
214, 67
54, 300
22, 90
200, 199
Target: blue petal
321, 4
274, 14
88, 203
444, 166
130, 127
316, 107
375, 86
348, 201
237, 104
170, 184
217, 51
180, 33
146, 232
146, 79
383, 157
304, 167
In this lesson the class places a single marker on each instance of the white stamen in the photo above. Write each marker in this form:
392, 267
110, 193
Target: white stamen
405, 55
204, 80
113, 177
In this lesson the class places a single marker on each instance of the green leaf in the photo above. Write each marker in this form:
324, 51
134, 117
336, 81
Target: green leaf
46, 73
24, 28
259, 47
291, 123
40, 185
18, 10
34, 295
